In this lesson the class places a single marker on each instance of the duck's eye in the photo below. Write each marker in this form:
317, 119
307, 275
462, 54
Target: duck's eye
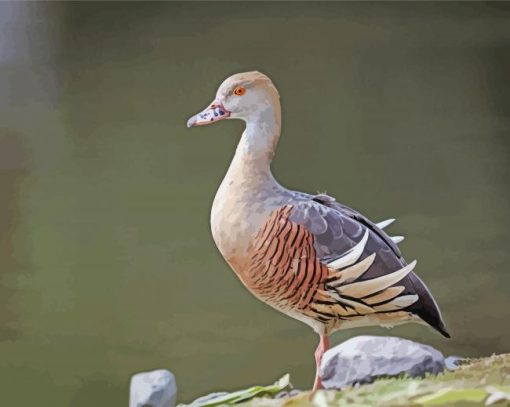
239, 91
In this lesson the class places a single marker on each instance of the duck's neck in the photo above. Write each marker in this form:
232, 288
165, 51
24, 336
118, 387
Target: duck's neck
247, 192
258, 143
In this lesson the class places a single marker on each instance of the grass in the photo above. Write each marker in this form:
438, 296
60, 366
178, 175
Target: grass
477, 382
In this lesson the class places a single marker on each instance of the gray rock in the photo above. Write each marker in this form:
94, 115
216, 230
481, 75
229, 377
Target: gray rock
285, 393
453, 362
281, 395
365, 358
153, 389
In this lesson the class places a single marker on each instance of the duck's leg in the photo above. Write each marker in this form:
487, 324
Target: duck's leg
319, 352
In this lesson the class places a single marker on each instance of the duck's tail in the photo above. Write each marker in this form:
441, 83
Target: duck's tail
426, 307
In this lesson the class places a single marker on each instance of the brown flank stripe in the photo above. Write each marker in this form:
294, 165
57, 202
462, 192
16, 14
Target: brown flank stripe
285, 270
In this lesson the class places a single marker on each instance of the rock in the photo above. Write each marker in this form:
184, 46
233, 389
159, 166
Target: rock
285, 393
281, 395
453, 362
153, 389
364, 358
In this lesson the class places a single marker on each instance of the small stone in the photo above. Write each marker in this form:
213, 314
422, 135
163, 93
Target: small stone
285, 393
362, 359
153, 389
453, 362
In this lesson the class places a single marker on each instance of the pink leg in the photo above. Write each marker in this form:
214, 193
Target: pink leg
323, 347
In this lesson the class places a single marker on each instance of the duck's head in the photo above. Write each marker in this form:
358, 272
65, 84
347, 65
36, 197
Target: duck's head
246, 96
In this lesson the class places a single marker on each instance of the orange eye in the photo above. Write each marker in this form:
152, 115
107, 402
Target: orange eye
239, 91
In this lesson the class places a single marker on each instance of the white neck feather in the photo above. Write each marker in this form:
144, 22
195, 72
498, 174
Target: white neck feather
258, 143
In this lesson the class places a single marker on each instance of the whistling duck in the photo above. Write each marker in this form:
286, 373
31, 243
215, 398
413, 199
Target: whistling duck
308, 256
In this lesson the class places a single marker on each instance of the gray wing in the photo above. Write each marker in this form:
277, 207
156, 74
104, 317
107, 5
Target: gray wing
337, 229
331, 202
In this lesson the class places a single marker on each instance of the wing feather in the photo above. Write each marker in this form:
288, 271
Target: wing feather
385, 295
351, 273
365, 288
332, 264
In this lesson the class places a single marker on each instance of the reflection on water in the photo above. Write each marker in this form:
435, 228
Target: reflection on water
107, 263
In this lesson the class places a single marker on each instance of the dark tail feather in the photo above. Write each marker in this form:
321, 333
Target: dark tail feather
426, 307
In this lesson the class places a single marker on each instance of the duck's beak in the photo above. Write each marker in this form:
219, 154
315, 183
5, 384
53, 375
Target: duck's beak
213, 113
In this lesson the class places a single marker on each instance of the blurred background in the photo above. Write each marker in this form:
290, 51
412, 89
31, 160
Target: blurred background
107, 266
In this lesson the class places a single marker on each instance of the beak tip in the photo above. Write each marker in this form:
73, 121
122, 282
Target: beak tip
211, 114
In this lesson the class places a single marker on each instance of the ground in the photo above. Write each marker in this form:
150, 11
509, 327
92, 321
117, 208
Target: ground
484, 381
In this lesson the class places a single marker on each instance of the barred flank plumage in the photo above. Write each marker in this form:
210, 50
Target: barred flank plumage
286, 272
284, 269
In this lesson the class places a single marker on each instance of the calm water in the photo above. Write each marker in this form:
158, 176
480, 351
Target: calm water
106, 260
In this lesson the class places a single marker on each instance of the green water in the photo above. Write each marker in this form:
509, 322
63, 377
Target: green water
106, 260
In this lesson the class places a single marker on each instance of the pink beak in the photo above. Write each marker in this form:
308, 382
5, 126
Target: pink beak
213, 113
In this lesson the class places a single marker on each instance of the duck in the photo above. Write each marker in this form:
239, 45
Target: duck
305, 255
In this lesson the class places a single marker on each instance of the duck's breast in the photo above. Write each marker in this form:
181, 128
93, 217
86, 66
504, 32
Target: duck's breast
238, 212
